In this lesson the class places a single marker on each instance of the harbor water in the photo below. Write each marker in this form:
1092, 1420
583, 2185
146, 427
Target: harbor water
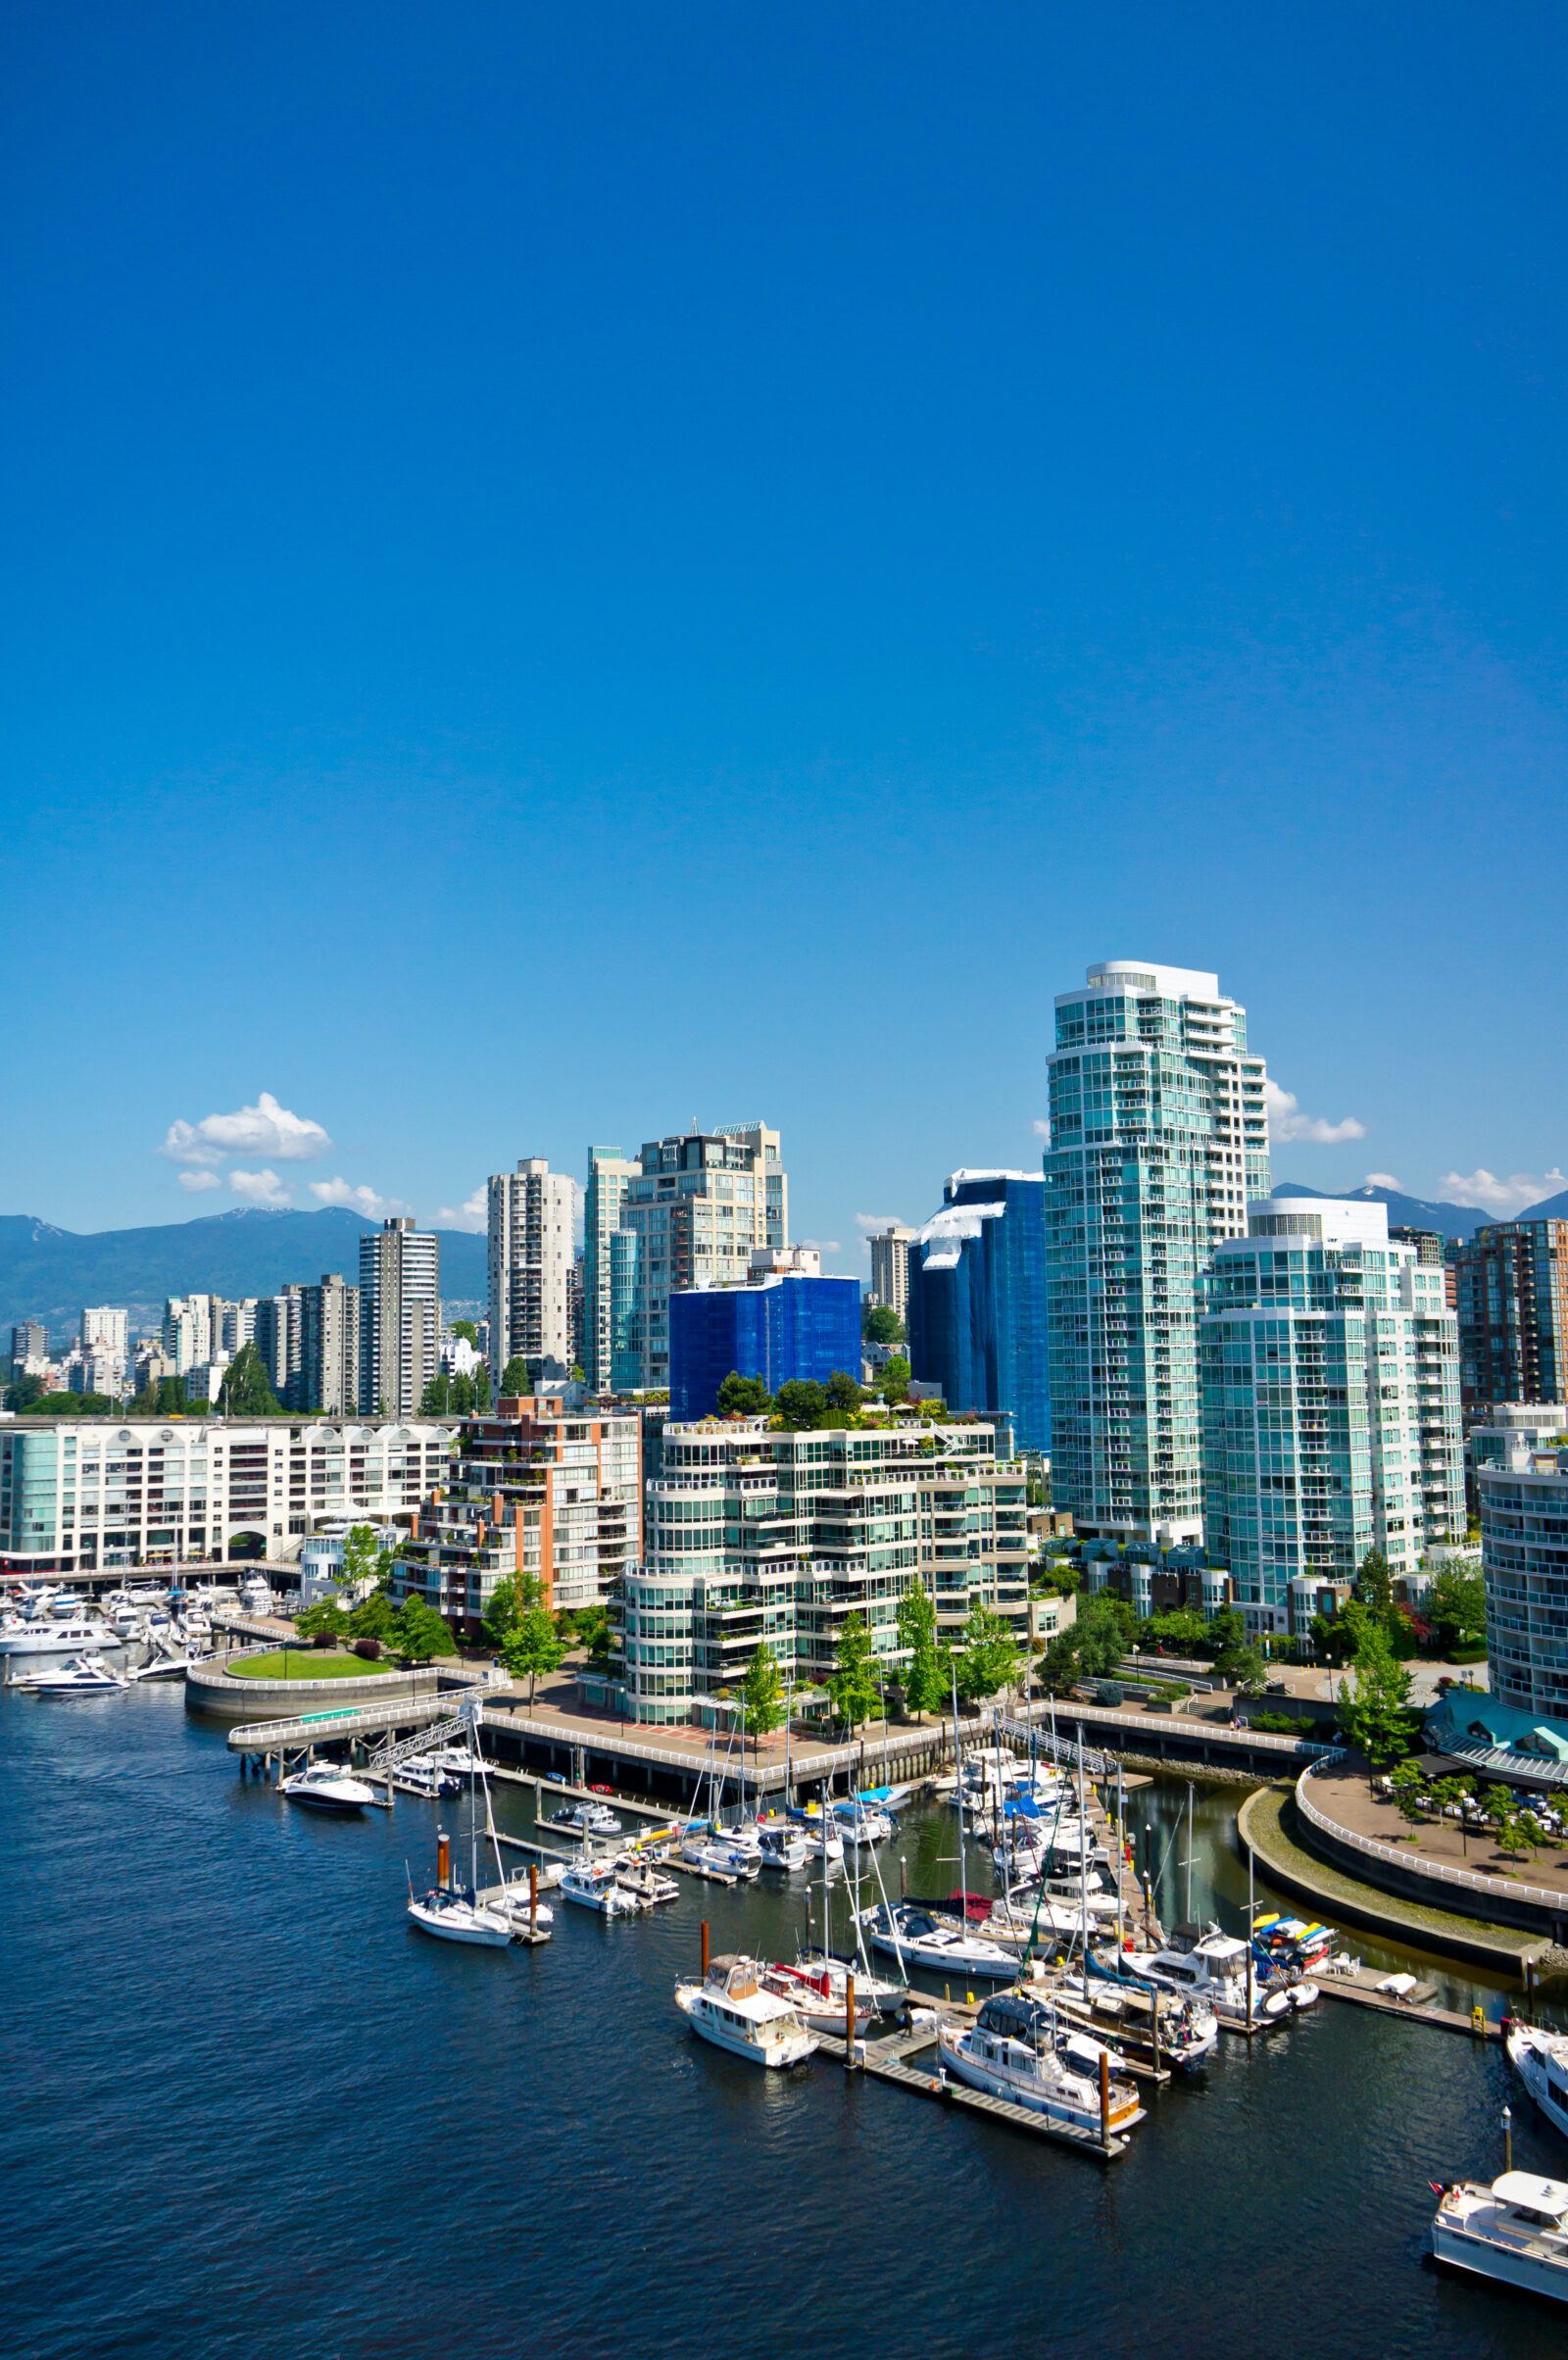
249, 2111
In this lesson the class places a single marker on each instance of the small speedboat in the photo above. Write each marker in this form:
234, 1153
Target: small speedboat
717, 1856
420, 1776
454, 1917
326, 1787
863, 1827
733, 2011
587, 1819
647, 1884
783, 1844
1516, 2232
87, 1676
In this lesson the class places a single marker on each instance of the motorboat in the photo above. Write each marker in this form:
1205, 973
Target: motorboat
823, 1835
863, 1827
596, 1885
783, 1845
1214, 1971
649, 1885
84, 1676
718, 1856
587, 1819
326, 1787
913, 1936
45, 1635
458, 1761
1516, 2232
1041, 2024
1188, 2027
731, 2009
997, 2061
820, 1993
417, 1775
1540, 2060
456, 1917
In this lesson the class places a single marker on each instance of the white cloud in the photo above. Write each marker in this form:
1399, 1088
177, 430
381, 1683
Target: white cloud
1384, 1180
362, 1199
264, 1129
472, 1213
879, 1220
1503, 1197
823, 1245
198, 1180
259, 1187
1287, 1121
1041, 1127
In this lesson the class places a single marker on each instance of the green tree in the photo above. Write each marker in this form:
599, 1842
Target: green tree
1242, 1668
515, 1381
436, 1398
418, 1633
763, 1693
1515, 1838
246, 1390
989, 1659
374, 1617
1060, 1667
800, 1404
843, 1391
1447, 1795
481, 1389
23, 1391
880, 1324
853, 1682
508, 1602
744, 1396
362, 1557
326, 1619
1225, 1628
925, 1685
896, 1380
1409, 1790
1374, 1706
1459, 1608
467, 1331
533, 1647
1181, 1628
1500, 1807
1373, 1584
1102, 1633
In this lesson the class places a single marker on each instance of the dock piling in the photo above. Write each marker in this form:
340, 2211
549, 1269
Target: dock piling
705, 1949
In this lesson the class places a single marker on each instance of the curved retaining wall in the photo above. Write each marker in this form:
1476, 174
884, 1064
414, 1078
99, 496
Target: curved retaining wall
1467, 1892
210, 1688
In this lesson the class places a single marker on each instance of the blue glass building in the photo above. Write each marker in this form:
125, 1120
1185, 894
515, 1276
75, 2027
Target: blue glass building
779, 1327
977, 1301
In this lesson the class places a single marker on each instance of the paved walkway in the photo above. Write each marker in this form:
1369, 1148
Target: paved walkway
1340, 1791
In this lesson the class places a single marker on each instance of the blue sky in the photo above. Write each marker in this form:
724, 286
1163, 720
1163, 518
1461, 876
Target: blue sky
576, 569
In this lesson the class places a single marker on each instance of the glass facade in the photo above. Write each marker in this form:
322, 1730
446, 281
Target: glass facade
977, 1301
782, 1328
1524, 1556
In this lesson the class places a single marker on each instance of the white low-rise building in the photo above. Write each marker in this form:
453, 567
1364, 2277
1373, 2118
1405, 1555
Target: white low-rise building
79, 1495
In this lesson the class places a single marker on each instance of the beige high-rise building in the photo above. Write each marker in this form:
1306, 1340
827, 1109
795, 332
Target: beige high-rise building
889, 1267
400, 1317
530, 1226
697, 1206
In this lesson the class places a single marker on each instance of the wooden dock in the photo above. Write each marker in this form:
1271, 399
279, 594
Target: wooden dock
885, 2061
1361, 1990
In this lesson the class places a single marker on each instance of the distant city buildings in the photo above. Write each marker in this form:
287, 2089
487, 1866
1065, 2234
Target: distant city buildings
785, 1322
752, 1533
608, 1275
30, 1348
1329, 1363
530, 1258
1513, 1313
889, 1267
976, 1300
537, 1490
280, 1337
328, 1376
400, 1317
1524, 1559
1159, 1142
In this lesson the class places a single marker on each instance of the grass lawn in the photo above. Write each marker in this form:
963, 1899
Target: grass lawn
306, 1664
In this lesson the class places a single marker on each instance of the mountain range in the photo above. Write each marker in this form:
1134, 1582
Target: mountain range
1420, 1212
48, 1273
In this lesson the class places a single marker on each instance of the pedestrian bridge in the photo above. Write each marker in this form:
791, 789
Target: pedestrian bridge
351, 1720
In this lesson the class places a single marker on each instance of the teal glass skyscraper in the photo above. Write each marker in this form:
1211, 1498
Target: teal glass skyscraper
1158, 1141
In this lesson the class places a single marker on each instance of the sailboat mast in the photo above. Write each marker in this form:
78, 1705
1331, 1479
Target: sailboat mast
958, 1755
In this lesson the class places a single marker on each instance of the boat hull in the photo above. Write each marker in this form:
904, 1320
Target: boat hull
1484, 2259
793, 2049
1532, 2072
448, 1926
1019, 2092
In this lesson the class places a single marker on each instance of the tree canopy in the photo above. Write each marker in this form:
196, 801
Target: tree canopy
925, 1685
1459, 1607
744, 1396
467, 1331
419, 1634
896, 1380
843, 1391
533, 1647
880, 1324
800, 1404
989, 1659
507, 1604
852, 1681
515, 1383
1374, 1706
246, 1390
762, 1692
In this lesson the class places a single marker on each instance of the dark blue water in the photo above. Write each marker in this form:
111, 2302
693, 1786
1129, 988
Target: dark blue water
249, 2112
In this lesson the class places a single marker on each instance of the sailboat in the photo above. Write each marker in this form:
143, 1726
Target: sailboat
458, 1915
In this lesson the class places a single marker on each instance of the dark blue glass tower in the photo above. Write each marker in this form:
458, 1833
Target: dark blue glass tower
777, 1329
977, 1301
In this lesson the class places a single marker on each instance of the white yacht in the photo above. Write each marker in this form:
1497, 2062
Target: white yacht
917, 1939
84, 1676
596, 1885
1540, 2060
326, 1787
818, 1990
453, 1918
1516, 2230
863, 1825
638, 1876
1213, 1970
733, 2011
587, 1819
419, 1776
997, 2061
50, 1635
718, 1856
783, 1844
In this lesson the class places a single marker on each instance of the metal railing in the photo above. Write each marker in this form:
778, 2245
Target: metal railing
1441, 1872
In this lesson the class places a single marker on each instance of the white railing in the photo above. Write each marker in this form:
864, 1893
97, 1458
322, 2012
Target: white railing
1441, 1872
